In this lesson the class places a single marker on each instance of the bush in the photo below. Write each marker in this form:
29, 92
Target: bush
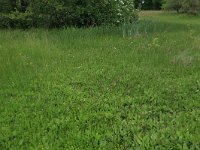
16, 20
183, 6
59, 13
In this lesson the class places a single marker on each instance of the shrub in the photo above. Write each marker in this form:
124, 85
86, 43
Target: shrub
59, 13
183, 6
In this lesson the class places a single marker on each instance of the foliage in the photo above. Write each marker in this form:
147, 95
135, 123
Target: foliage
92, 89
148, 4
183, 6
59, 13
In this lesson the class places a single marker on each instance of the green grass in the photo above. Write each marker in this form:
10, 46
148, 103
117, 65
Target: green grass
94, 89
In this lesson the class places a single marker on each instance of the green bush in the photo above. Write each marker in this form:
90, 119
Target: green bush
6, 6
16, 20
59, 13
183, 6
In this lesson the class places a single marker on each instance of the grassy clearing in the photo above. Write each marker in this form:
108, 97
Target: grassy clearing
93, 89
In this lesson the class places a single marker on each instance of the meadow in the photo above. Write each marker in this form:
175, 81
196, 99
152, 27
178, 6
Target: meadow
130, 87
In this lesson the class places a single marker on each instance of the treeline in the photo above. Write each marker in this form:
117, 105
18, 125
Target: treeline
183, 6
82, 13
60, 13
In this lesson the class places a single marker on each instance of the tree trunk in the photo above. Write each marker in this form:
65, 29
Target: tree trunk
24, 5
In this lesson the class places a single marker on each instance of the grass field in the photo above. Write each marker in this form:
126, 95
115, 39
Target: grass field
95, 89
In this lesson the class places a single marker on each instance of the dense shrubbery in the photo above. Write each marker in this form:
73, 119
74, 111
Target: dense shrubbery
59, 13
183, 6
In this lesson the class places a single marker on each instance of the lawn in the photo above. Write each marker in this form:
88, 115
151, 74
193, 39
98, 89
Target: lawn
97, 89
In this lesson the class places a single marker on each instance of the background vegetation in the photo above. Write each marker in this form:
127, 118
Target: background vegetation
183, 6
82, 13
59, 13
148, 4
